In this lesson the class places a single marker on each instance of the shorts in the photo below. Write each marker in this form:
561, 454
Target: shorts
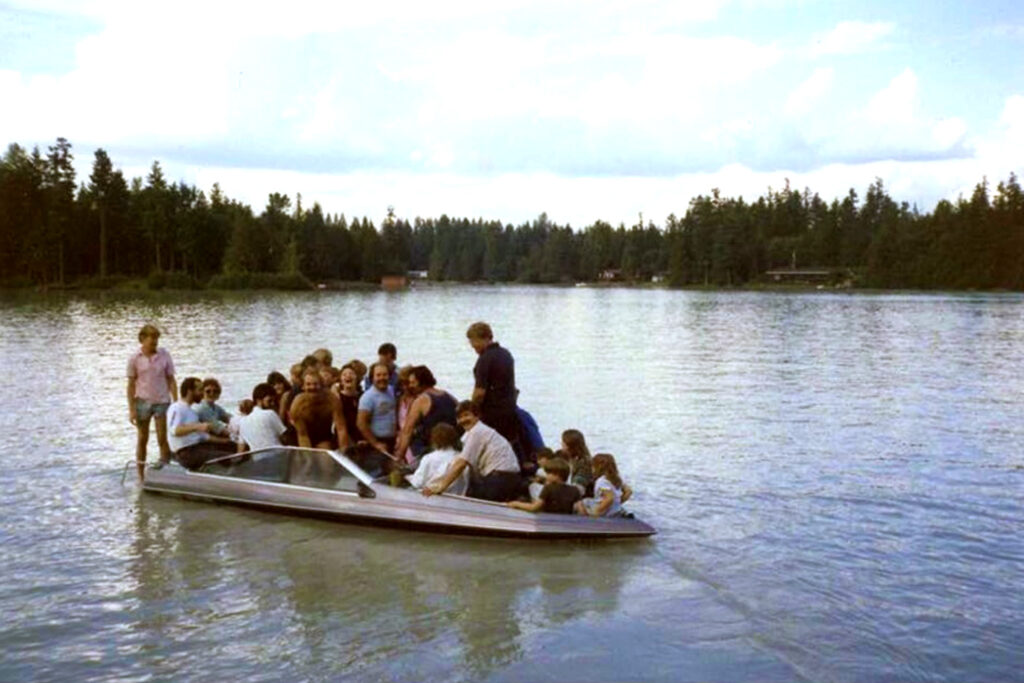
145, 410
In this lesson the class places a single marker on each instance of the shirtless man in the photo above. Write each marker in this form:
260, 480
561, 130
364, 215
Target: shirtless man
314, 411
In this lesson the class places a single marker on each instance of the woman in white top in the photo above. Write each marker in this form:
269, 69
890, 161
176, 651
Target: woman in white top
434, 465
609, 490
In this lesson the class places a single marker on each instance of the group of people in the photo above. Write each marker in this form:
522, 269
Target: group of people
486, 447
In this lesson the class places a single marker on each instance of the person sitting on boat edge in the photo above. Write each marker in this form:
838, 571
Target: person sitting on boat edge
315, 411
574, 450
493, 467
209, 411
434, 465
377, 417
262, 428
556, 496
430, 406
189, 437
539, 477
610, 492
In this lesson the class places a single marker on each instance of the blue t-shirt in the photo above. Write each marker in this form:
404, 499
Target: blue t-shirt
381, 406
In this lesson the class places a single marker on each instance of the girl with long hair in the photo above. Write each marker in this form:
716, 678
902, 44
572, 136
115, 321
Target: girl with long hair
576, 453
610, 492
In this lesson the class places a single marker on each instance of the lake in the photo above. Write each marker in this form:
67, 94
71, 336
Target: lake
837, 480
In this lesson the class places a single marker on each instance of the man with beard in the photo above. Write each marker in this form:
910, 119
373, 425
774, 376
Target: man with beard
315, 411
377, 417
188, 436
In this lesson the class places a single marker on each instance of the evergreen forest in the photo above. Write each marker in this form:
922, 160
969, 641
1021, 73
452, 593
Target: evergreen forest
59, 230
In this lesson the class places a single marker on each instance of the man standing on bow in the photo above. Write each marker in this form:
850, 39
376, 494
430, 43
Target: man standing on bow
495, 382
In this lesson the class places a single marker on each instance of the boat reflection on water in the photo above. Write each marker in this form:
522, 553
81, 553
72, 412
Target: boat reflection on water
304, 597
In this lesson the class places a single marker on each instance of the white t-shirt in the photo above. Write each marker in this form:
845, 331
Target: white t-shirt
262, 428
234, 426
181, 413
600, 486
432, 468
487, 451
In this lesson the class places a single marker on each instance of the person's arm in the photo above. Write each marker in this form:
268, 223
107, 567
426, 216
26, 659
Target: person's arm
626, 492
132, 417
172, 386
183, 429
282, 408
242, 446
480, 372
418, 479
533, 506
416, 412
607, 498
363, 422
302, 433
453, 473
344, 440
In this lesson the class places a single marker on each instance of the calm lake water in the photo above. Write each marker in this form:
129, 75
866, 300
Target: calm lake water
837, 479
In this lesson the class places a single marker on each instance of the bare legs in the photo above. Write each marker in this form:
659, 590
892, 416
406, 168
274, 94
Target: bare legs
142, 427
161, 438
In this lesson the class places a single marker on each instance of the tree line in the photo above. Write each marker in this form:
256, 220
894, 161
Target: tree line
56, 230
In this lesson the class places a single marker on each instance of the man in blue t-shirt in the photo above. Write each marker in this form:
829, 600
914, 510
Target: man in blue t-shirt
377, 417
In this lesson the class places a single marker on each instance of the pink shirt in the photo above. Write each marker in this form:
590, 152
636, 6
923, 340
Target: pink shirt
150, 374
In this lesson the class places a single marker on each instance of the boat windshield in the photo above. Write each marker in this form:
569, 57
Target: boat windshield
297, 466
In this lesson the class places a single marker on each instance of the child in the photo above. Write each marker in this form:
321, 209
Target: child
574, 448
434, 465
544, 455
235, 425
556, 496
609, 491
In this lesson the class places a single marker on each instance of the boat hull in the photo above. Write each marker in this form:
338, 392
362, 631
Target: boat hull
378, 504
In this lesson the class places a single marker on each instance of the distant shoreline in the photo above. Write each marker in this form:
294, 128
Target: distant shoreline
140, 286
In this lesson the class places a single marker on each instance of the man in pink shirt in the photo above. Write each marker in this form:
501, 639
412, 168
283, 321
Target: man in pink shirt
151, 389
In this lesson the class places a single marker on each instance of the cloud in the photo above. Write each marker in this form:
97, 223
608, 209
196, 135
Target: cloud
850, 37
807, 94
895, 104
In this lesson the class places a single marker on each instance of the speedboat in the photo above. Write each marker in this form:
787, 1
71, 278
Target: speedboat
332, 485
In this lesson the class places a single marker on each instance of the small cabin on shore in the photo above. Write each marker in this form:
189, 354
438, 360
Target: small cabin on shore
393, 282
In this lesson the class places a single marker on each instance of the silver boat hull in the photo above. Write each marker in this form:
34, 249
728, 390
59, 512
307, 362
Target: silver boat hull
356, 497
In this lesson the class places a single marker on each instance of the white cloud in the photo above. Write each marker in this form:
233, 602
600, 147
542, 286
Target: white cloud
806, 95
896, 103
850, 37
1004, 147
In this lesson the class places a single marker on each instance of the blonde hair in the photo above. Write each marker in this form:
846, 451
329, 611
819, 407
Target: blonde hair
480, 330
148, 331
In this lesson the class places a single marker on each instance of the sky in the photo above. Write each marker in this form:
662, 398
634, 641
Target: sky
587, 111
